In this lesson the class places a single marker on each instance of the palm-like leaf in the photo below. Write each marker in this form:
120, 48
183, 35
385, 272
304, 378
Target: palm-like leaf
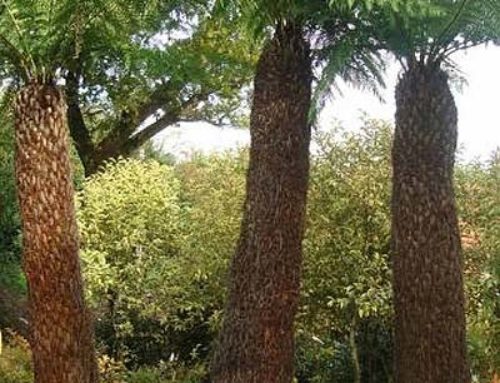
438, 29
411, 30
38, 37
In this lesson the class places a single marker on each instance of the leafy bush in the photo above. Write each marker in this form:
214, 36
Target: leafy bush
15, 361
168, 373
155, 247
213, 189
129, 217
9, 212
344, 322
479, 204
157, 239
12, 282
346, 279
16, 367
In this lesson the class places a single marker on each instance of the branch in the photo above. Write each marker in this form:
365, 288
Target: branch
128, 121
217, 122
122, 141
119, 134
77, 127
156, 101
168, 119
147, 133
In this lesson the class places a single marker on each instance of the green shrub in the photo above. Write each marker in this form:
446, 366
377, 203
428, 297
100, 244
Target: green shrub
477, 186
185, 219
10, 245
15, 361
169, 373
129, 219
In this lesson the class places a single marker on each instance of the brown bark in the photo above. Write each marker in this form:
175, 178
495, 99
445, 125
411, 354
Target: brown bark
60, 327
256, 343
428, 283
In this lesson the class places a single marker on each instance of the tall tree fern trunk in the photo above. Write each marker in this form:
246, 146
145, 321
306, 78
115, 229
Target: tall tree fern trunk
60, 327
256, 344
428, 283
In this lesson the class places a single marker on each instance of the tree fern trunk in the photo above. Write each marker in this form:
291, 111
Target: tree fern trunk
61, 333
257, 339
428, 284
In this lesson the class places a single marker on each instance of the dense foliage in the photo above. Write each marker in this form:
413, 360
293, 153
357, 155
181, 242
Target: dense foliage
479, 204
346, 273
156, 240
9, 220
12, 284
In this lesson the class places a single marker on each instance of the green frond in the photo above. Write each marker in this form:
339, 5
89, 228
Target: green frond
348, 50
49, 34
361, 69
433, 31
474, 21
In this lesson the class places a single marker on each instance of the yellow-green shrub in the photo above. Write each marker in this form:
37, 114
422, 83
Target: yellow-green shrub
15, 361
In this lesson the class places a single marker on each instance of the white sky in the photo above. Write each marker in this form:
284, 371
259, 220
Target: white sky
478, 111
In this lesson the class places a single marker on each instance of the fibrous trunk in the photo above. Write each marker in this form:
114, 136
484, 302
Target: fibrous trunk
60, 327
428, 283
256, 343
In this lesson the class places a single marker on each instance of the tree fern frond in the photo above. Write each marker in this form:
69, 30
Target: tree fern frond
16, 57
433, 33
14, 22
51, 34
335, 59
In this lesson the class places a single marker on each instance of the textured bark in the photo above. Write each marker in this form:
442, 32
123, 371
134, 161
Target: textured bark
60, 327
257, 339
428, 284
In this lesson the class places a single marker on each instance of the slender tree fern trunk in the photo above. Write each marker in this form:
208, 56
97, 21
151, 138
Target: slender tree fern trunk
428, 283
61, 332
256, 344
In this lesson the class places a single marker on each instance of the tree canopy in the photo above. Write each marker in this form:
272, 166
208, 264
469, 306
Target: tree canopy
130, 69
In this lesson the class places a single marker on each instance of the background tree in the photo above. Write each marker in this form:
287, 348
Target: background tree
428, 281
168, 62
164, 70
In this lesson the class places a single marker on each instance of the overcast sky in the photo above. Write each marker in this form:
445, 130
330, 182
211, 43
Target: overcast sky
478, 111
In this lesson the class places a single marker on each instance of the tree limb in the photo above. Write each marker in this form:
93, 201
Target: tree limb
168, 119
78, 129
